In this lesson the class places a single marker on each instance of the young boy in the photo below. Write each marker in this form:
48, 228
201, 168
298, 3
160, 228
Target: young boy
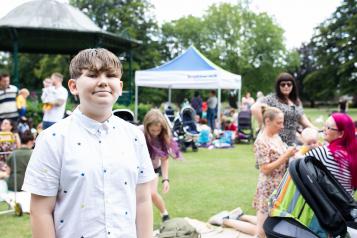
48, 94
21, 103
89, 173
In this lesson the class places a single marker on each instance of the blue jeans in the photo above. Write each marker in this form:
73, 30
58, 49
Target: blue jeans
47, 124
211, 115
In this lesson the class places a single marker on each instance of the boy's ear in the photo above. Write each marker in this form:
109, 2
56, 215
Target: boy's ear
72, 86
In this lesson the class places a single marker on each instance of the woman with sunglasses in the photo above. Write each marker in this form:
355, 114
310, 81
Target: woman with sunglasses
286, 99
340, 154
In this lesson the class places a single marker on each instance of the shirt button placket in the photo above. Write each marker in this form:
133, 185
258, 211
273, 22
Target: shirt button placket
106, 178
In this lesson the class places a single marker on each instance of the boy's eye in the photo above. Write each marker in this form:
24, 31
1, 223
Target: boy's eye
91, 75
112, 76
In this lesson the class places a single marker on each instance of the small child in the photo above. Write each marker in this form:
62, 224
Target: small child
21, 103
48, 94
310, 139
89, 173
160, 144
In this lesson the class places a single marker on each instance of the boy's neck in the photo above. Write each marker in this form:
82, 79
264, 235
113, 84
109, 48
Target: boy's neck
99, 117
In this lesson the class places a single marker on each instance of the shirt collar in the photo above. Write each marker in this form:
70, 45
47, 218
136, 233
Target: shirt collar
93, 126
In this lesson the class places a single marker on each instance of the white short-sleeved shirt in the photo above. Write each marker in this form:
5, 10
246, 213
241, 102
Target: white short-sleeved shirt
56, 113
93, 169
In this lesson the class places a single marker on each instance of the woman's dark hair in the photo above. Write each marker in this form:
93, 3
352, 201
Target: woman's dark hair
293, 96
26, 136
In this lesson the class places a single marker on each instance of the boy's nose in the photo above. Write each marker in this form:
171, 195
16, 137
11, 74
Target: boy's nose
103, 81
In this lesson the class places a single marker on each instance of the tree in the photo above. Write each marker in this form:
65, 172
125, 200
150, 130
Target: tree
234, 38
334, 47
131, 19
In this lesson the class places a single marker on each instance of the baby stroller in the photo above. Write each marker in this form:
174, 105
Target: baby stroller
169, 114
310, 202
124, 114
185, 129
245, 129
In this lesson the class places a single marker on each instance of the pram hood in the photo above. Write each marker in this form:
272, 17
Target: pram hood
310, 194
331, 203
124, 114
187, 114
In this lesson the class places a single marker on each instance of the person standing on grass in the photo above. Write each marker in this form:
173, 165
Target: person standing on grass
287, 100
89, 174
161, 145
56, 112
212, 103
8, 93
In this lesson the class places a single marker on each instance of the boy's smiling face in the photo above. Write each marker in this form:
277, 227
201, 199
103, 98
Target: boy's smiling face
96, 90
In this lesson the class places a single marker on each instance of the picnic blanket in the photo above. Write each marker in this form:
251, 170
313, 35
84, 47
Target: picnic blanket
209, 231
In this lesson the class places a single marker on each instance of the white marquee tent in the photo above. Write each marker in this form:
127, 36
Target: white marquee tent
190, 70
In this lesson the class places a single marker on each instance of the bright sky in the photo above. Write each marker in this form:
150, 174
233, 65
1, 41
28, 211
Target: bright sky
296, 17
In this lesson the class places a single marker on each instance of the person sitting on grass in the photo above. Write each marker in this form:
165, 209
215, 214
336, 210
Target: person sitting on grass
272, 155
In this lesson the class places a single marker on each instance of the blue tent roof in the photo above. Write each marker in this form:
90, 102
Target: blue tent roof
190, 60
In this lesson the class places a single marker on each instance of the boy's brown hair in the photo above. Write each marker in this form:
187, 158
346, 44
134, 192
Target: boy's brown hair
95, 60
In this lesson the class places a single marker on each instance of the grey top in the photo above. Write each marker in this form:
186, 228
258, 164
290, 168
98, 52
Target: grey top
212, 102
292, 116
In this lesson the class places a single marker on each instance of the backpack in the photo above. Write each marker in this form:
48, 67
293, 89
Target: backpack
178, 228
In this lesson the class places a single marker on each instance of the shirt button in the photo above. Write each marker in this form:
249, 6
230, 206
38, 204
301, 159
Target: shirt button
100, 141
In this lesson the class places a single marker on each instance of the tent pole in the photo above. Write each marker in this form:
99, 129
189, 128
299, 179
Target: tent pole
136, 103
15, 58
130, 75
219, 109
170, 95
238, 101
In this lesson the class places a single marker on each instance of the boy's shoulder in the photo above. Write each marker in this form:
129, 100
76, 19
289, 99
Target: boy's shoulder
129, 127
59, 128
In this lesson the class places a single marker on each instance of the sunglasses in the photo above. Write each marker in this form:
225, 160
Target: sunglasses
283, 84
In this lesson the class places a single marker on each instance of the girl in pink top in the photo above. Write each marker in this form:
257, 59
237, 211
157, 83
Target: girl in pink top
161, 145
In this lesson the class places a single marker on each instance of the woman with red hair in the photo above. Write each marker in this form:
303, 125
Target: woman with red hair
340, 155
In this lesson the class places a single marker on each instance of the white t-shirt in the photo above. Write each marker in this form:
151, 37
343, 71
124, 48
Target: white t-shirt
93, 168
56, 113
48, 94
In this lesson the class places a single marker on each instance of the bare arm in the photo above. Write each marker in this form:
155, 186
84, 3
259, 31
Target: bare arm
268, 168
144, 217
41, 211
59, 102
304, 121
165, 174
18, 140
256, 110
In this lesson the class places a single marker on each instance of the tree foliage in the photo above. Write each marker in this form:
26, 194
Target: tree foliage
235, 38
334, 54
131, 19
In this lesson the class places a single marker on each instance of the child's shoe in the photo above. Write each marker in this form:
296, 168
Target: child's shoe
217, 219
165, 217
236, 213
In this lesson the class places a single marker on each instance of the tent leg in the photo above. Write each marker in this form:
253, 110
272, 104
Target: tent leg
219, 109
136, 103
238, 101
15, 57
169, 95
130, 75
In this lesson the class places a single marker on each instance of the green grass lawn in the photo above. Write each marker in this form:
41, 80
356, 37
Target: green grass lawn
203, 184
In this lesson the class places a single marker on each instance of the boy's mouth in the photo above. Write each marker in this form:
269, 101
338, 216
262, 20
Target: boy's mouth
101, 91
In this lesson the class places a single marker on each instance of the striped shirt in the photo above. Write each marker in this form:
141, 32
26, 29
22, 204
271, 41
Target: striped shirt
340, 172
8, 107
